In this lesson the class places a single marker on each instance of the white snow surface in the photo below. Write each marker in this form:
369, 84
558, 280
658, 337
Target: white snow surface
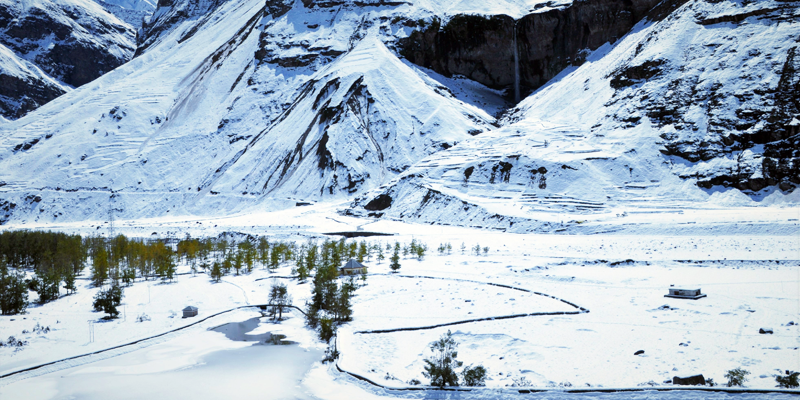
196, 136
751, 282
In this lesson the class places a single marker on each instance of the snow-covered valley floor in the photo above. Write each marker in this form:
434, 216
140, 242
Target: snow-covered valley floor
752, 279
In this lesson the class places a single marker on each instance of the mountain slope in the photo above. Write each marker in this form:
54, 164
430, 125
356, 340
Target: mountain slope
666, 117
215, 129
133, 12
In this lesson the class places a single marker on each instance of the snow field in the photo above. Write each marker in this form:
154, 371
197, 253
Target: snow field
738, 271
708, 336
390, 302
71, 317
200, 363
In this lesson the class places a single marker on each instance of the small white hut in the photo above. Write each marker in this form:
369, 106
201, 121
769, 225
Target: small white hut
189, 311
692, 294
353, 267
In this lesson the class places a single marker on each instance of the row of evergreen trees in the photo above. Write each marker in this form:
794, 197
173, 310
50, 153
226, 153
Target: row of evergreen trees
52, 259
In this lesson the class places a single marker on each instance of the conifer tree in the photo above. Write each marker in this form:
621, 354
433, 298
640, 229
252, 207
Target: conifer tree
380, 255
13, 291
69, 282
395, 265
108, 300
216, 271
100, 266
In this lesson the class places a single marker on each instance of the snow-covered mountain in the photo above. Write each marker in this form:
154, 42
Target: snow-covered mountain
49, 47
698, 108
133, 12
235, 106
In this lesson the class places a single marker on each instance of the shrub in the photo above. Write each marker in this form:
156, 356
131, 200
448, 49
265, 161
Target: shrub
737, 377
13, 342
521, 382
331, 353
326, 329
474, 376
108, 300
789, 381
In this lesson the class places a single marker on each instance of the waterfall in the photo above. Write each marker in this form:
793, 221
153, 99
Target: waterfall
516, 66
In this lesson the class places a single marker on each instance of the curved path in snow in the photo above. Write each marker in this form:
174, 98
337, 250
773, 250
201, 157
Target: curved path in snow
578, 309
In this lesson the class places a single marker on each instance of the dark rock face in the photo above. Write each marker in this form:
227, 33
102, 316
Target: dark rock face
169, 13
20, 95
483, 48
767, 117
81, 45
380, 203
689, 380
69, 59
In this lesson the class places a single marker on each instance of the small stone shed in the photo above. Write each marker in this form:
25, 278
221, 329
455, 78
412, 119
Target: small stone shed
692, 294
353, 267
189, 311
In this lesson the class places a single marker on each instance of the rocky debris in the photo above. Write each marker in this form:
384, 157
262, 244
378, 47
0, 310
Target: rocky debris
638, 352
6, 209
765, 331
689, 380
484, 48
69, 41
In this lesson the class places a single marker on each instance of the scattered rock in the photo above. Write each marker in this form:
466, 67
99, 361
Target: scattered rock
689, 380
765, 331
638, 352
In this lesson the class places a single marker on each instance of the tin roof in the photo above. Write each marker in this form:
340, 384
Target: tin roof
353, 264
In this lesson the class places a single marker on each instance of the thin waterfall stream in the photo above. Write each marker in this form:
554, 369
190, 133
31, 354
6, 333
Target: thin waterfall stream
516, 66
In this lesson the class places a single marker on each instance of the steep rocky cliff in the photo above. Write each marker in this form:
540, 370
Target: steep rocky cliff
498, 50
23, 86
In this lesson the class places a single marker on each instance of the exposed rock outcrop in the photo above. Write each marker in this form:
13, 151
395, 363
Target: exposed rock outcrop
23, 86
483, 48
72, 41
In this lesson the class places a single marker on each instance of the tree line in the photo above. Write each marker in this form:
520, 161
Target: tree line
49, 262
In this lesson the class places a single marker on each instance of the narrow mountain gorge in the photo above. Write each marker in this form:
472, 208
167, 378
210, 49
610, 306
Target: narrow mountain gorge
403, 110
